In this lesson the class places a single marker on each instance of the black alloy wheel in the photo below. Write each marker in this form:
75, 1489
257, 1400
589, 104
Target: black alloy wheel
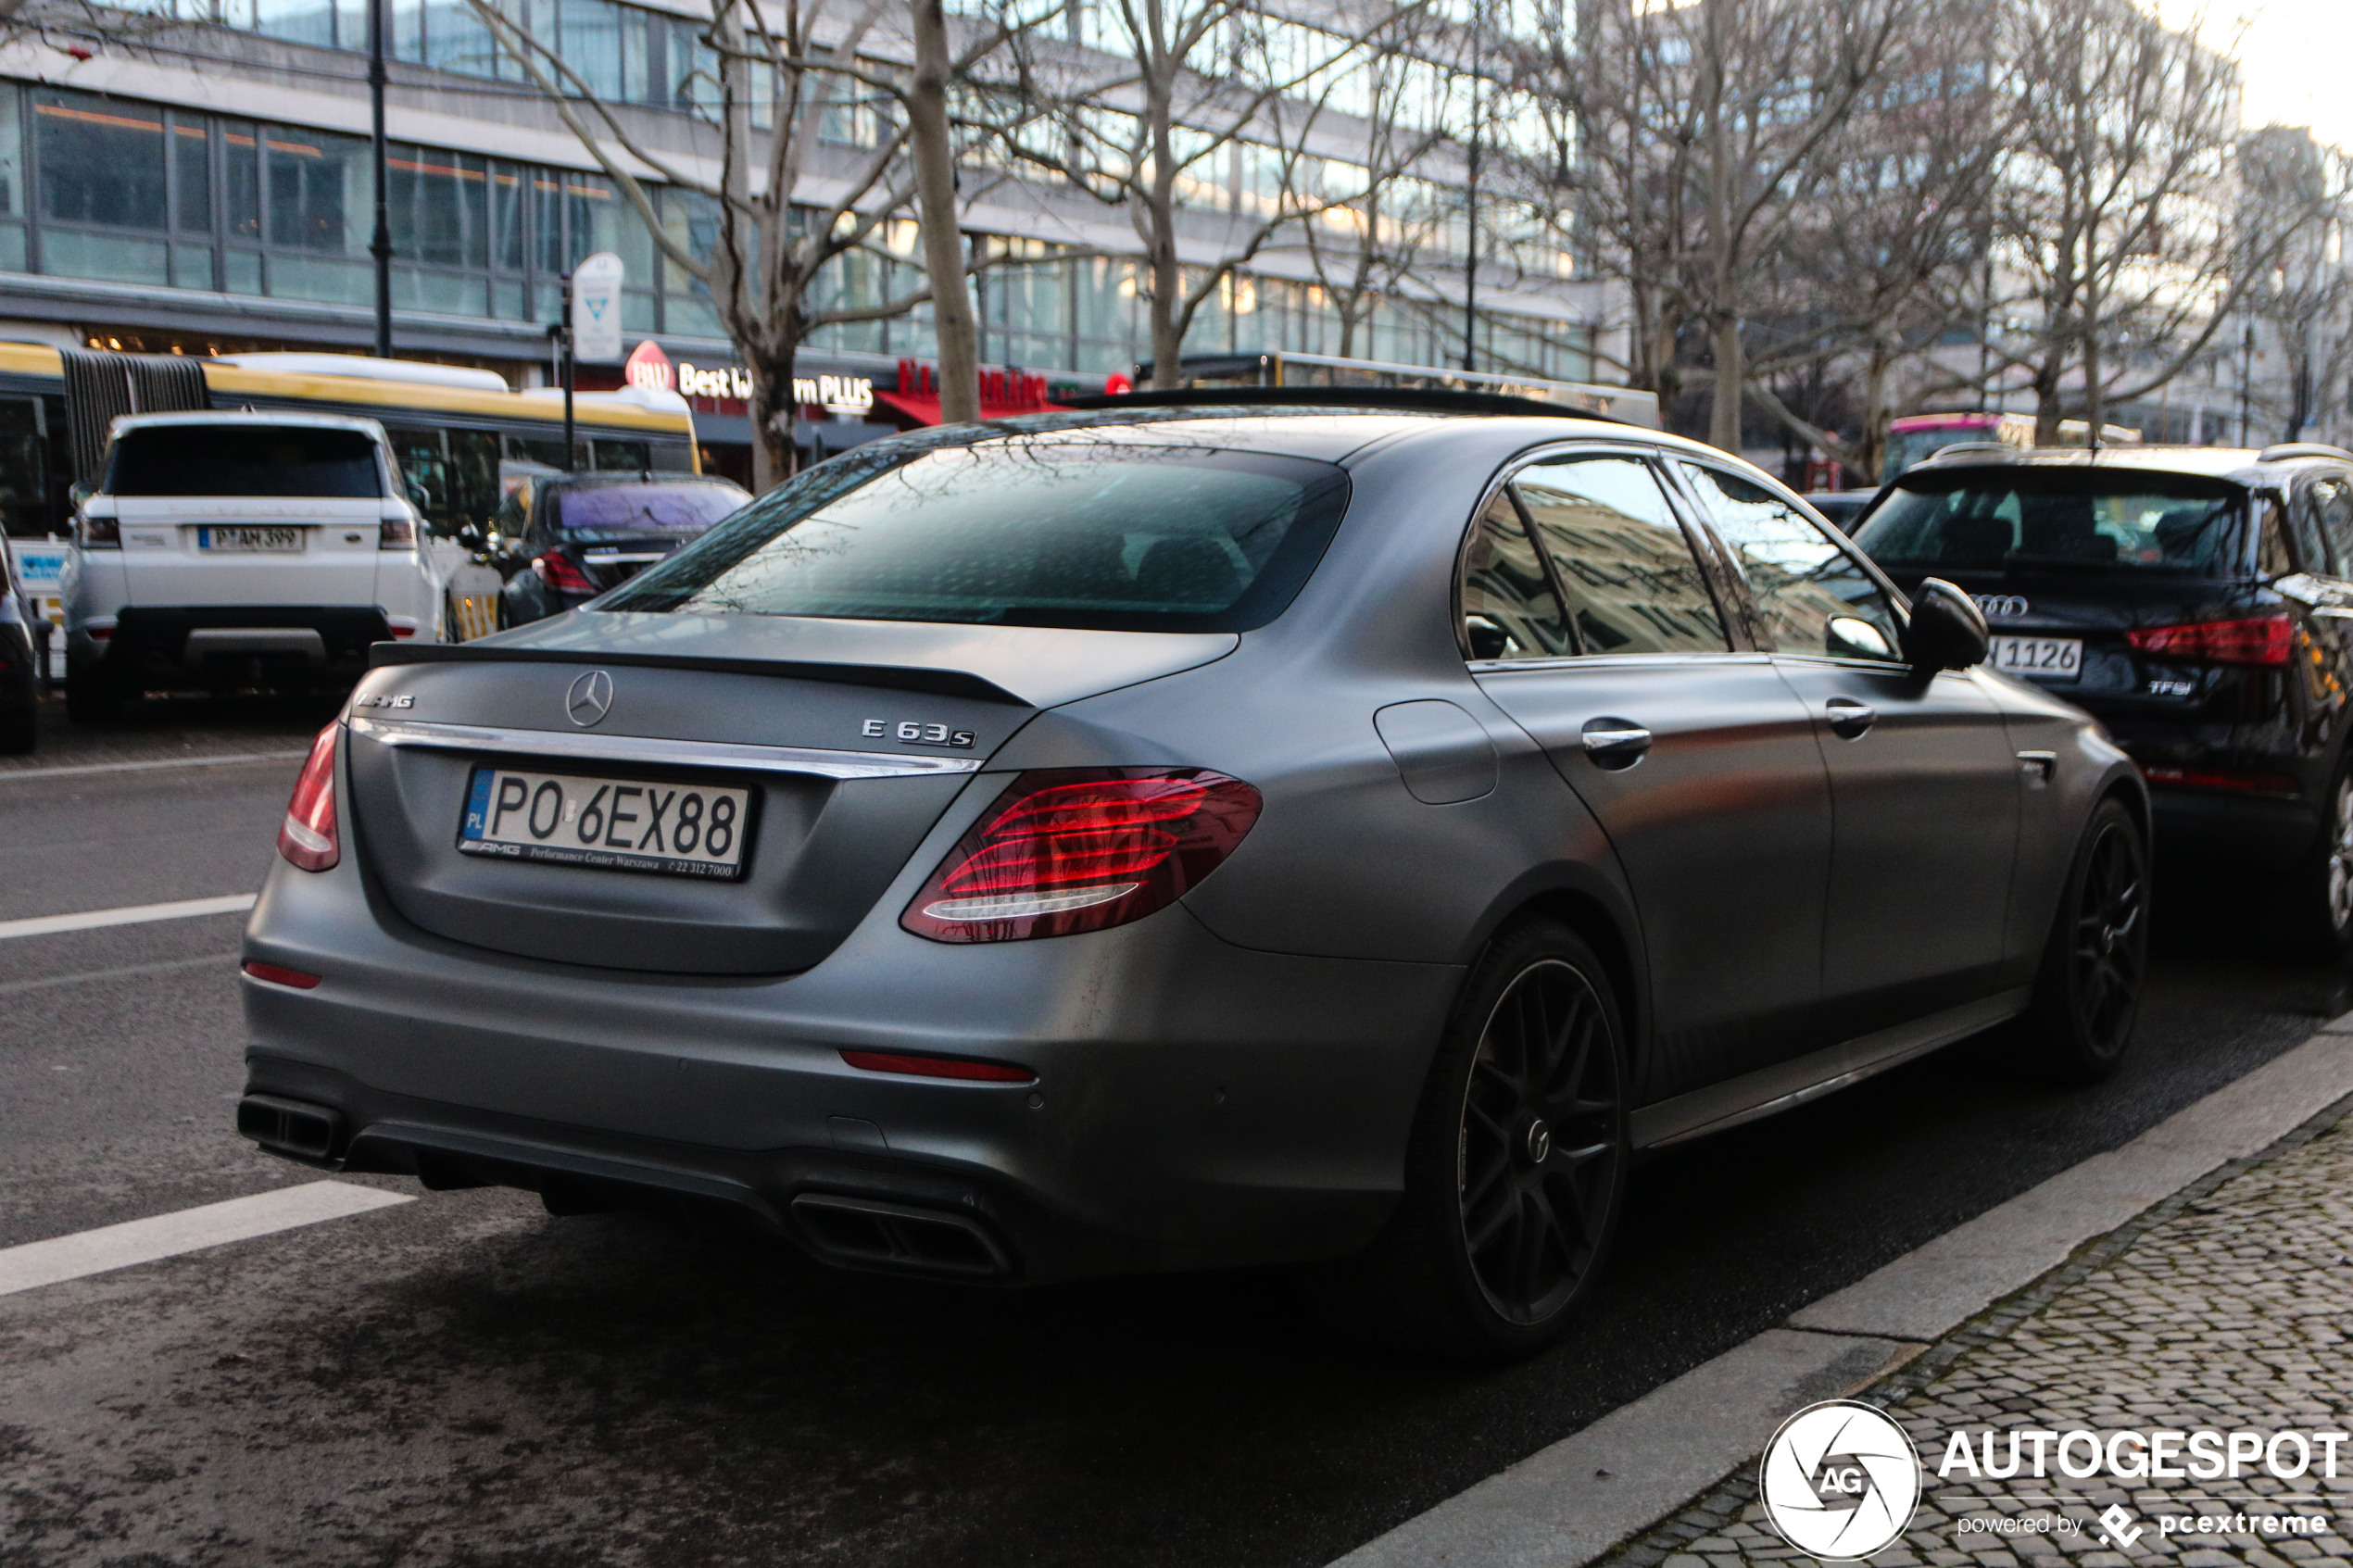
2319, 902
1515, 1169
1538, 1155
2088, 995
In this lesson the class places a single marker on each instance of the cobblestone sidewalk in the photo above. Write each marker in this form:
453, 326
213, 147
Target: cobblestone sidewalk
2228, 1306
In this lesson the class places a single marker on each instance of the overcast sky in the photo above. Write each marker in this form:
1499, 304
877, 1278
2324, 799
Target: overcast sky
2297, 55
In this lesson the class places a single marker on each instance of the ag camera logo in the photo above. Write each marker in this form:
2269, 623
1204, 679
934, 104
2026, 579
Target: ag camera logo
1840, 1481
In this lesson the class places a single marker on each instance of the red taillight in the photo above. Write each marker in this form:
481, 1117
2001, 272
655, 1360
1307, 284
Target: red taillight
307, 838
397, 533
1082, 848
101, 533
2221, 778
2265, 640
280, 976
939, 1067
99, 633
562, 576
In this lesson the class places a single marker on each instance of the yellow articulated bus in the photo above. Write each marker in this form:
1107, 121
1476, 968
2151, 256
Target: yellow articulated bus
462, 438
455, 430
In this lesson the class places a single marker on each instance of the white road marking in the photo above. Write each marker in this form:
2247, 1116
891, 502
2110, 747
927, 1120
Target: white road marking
145, 767
123, 972
129, 914
1565, 1505
37, 1263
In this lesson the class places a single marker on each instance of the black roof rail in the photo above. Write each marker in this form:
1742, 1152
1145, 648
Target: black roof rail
2282, 451
1405, 399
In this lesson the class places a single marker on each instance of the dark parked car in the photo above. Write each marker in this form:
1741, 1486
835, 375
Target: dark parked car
1165, 837
572, 537
1841, 507
2197, 601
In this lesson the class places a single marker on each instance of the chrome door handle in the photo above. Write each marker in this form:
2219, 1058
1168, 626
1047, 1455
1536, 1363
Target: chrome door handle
1849, 718
1615, 743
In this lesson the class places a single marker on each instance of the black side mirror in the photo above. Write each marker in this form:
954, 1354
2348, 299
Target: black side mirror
1948, 630
470, 536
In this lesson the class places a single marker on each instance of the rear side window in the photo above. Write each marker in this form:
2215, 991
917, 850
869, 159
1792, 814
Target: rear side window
1115, 536
2069, 518
1632, 584
244, 459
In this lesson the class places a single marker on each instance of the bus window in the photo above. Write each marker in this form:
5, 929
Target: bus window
628, 456
671, 457
24, 472
473, 476
547, 453
422, 464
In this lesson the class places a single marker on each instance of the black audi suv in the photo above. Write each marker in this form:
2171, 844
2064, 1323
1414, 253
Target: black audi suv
2197, 601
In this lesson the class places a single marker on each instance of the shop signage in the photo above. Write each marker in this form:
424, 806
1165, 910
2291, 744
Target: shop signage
648, 367
595, 308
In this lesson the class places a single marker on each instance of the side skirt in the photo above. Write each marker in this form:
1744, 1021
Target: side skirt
1792, 1083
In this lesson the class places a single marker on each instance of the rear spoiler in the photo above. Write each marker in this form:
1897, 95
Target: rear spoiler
891, 677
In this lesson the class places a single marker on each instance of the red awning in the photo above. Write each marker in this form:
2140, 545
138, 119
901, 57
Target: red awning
924, 406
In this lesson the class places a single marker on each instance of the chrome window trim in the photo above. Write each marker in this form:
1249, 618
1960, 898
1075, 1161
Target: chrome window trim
589, 747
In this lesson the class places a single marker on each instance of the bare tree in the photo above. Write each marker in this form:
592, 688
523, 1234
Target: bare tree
2305, 296
1692, 138
1364, 252
784, 70
2114, 223
1194, 116
1878, 264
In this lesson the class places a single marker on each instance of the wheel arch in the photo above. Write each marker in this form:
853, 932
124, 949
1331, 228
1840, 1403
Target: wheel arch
1604, 918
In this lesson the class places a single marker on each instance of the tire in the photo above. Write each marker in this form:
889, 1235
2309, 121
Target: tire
1516, 1167
2087, 994
2320, 897
91, 698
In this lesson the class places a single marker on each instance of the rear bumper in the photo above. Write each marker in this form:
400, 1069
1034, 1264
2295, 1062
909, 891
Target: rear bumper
151, 644
1196, 1104
2217, 828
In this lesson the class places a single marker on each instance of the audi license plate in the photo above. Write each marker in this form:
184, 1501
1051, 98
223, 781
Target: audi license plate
616, 825
2048, 659
251, 540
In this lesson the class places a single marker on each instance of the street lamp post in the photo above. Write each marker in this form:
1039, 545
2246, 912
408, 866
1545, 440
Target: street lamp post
381, 246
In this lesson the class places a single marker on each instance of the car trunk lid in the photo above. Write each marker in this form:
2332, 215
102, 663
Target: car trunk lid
848, 738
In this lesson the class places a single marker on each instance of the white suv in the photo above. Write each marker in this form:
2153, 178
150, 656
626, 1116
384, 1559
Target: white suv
241, 549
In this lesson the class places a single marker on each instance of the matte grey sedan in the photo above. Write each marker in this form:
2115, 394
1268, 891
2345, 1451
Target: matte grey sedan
1169, 838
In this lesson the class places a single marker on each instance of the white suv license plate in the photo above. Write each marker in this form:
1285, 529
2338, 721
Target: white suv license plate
2048, 659
251, 540
612, 824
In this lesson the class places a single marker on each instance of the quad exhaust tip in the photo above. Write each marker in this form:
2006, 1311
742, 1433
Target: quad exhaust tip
895, 1235
289, 1127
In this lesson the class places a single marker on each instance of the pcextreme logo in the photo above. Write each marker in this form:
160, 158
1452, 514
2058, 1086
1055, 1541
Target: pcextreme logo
1839, 1480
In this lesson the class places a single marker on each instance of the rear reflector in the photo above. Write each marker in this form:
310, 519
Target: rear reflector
277, 975
938, 1067
307, 838
1077, 849
2263, 641
2223, 778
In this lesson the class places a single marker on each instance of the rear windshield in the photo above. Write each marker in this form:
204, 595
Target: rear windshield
244, 461
1049, 533
596, 511
1993, 518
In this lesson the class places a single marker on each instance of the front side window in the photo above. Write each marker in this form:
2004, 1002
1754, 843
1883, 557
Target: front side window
1100, 535
1632, 584
2332, 499
201, 459
1509, 609
1812, 595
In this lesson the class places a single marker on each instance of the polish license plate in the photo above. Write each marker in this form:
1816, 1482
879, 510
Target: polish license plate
614, 824
2048, 659
251, 540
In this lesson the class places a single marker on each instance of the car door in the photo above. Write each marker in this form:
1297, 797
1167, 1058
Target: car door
1924, 782
1589, 621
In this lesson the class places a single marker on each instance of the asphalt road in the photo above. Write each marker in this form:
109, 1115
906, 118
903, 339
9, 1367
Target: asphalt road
464, 1380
